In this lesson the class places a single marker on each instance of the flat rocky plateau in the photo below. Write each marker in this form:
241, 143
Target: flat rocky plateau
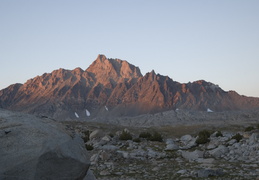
180, 117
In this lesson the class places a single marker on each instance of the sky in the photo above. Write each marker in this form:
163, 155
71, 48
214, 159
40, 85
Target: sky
187, 40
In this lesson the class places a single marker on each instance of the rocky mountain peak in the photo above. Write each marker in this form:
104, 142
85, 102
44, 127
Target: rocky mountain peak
117, 70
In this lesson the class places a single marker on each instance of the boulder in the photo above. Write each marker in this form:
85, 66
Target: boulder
171, 145
254, 138
186, 138
219, 151
192, 155
187, 142
213, 144
39, 148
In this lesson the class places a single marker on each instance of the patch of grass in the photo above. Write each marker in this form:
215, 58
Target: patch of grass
203, 137
249, 128
237, 137
125, 136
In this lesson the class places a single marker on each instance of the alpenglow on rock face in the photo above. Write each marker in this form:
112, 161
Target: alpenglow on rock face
118, 86
34, 148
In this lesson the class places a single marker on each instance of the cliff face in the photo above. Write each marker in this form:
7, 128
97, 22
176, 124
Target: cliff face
118, 85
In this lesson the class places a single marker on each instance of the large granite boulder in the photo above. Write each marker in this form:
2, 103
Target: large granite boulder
39, 148
191, 156
219, 151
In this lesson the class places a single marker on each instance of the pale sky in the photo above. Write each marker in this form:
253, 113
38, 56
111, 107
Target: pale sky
213, 40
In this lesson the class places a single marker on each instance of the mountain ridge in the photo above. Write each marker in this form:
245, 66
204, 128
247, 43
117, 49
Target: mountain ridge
119, 85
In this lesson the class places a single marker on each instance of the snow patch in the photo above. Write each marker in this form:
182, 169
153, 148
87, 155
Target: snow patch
209, 110
77, 116
87, 113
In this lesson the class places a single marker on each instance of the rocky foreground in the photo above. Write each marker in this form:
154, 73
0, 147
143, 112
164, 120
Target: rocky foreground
221, 155
41, 148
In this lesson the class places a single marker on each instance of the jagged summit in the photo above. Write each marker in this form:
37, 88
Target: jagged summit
119, 86
115, 69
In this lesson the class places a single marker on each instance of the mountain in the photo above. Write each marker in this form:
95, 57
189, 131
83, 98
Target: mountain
115, 87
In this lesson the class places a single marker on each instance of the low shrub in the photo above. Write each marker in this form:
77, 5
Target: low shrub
203, 137
156, 137
86, 135
137, 140
89, 147
145, 135
125, 136
151, 137
111, 135
249, 128
219, 134
237, 137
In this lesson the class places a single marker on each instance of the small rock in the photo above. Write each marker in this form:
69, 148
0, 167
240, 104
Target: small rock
156, 169
104, 156
213, 144
183, 171
109, 147
170, 147
89, 175
94, 158
204, 173
232, 141
106, 138
213, 135
126, 130
124, 154
118, 173
95, 134
105, 173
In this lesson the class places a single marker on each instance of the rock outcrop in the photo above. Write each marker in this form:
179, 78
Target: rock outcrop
39, 148
113, 87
